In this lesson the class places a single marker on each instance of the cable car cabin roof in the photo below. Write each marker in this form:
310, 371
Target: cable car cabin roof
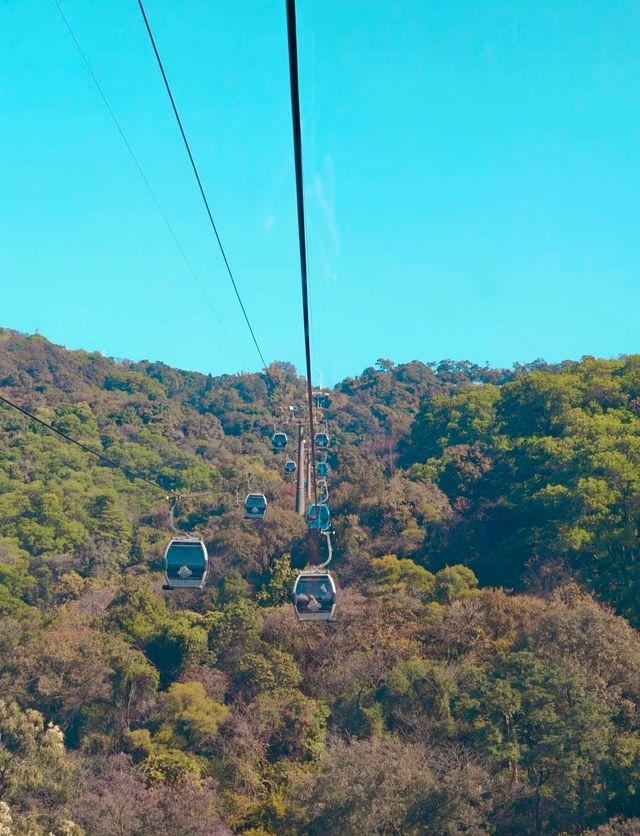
314, 596
279, 440
290, 466
322, 468
321, 440
186, 564
255, 506
319, 516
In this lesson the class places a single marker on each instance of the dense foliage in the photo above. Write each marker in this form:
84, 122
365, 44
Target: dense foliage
484, 672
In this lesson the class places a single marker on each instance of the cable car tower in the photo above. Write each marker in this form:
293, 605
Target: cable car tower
314, 592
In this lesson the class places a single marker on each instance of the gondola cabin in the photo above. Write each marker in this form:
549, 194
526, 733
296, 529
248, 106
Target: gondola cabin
279, 442
255, 506
314, 596
319, 517
290, 466
322, 469
321, 440
186, 564
323, 490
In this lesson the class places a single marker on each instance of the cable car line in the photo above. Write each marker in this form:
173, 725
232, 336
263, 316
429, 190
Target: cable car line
145, 180
199, 181
292, 42
186, 560
131, 473
314, 590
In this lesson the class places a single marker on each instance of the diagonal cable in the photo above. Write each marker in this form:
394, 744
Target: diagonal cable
130, 473
199, 181
146, 181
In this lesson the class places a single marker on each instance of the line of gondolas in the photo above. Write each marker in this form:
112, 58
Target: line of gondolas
186, 560
314, 590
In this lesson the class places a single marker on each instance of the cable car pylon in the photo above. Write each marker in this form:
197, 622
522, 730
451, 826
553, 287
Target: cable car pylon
301, 504
314, 592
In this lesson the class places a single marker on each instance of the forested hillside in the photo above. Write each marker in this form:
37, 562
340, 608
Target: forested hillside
483, 675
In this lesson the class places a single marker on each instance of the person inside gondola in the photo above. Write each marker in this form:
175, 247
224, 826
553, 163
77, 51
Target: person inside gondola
311, 598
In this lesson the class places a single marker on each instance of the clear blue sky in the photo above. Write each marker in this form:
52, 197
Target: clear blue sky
472, 174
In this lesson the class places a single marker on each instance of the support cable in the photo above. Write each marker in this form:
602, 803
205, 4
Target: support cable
130, 473
302, 238
199, 181
145, 180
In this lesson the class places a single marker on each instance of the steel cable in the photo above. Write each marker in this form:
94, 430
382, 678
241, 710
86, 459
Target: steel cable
130, 473
145, 180
199, 181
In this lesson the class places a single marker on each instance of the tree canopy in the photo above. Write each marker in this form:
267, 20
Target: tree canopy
484, 672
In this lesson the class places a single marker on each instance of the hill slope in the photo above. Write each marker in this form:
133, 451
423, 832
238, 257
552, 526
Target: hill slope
433, 705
